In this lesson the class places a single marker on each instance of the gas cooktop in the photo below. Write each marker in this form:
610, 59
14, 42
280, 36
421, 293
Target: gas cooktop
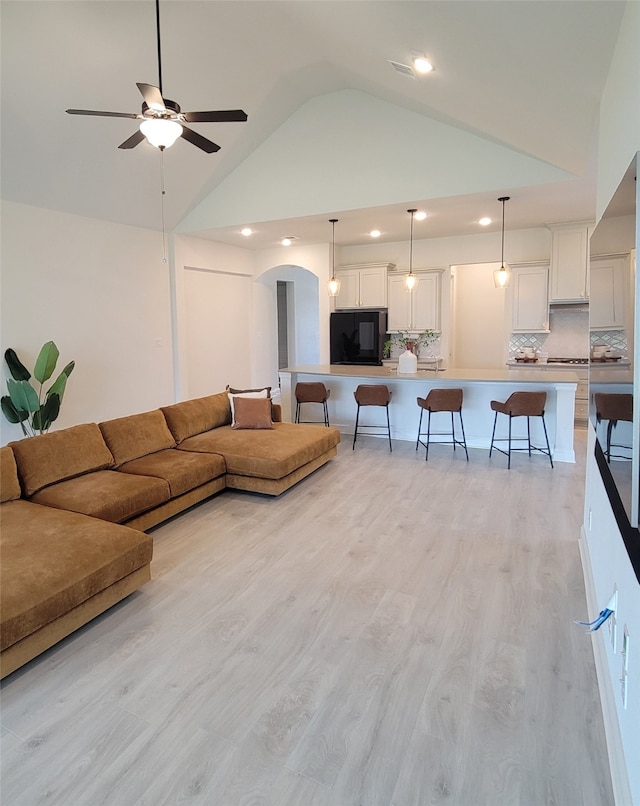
567, 360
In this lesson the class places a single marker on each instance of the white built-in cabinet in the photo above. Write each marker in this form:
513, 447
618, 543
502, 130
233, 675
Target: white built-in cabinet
569, 262
363, 286
609, 282
530, 298
418, 309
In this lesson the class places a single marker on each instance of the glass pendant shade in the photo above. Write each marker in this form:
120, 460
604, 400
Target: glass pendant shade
334, 287
502, 277
160, 132
410, 281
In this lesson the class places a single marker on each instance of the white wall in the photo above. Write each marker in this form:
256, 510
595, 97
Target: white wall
479, 310
101, 292
606, 560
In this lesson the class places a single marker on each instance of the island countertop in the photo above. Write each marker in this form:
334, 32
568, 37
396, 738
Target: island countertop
480, 387
454, 374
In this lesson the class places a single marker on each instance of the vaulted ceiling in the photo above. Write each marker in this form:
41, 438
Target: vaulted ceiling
523, 77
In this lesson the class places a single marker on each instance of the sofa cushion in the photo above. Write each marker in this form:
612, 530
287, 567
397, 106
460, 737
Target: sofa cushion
251, 413
270, 454
106, 494
77, 557
50, 458
129, 438
9, 481
195, 416
182, 470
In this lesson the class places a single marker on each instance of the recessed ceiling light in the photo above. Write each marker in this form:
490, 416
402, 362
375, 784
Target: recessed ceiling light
420, 215
484, 222
246, 231
422, 65
286, 241
375, 233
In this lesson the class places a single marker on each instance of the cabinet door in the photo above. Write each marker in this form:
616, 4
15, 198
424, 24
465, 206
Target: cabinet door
426, 302
569, 253
373, 288
530, 299
607, 298
399, 298
348, 295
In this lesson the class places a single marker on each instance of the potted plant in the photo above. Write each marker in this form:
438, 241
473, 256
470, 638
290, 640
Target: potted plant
33, 408
408, 341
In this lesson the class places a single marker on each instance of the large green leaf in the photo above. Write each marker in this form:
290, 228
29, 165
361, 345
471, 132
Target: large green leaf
23, 395
43, 418
46, 362
17, 369
10, 412
58, 387
69, 368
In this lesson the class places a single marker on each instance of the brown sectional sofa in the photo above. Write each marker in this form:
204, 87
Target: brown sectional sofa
75, 503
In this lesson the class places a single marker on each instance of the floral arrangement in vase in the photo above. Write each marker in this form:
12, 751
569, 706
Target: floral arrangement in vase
407, 340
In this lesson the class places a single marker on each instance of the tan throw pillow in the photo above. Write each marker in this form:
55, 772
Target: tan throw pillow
252, 412
259, 393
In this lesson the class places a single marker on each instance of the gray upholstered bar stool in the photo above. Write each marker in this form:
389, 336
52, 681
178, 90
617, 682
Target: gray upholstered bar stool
372, 395
520, 404
436, 401
613, 408
312, 392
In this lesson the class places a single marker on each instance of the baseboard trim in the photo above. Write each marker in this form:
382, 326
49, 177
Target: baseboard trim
617, 763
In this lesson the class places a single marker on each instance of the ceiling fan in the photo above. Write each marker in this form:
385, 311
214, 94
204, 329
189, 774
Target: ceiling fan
162, 119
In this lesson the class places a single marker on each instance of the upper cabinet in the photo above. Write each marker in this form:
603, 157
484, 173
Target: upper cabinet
609, 284
530, 298
569, 262
363, 286
418, 309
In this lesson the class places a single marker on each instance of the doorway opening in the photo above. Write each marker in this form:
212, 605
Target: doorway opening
284, 291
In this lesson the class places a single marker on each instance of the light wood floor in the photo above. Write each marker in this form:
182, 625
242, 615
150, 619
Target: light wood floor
389, 632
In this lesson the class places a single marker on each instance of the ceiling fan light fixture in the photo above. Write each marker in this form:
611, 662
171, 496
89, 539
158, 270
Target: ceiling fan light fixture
161, 132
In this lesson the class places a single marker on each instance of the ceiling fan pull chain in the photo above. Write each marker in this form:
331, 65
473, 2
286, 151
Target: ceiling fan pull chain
164, 234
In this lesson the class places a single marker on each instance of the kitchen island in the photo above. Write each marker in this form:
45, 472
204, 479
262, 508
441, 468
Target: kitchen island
480, 387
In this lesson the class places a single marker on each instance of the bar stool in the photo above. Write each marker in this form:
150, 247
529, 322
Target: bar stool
372, 395
441, 400
315, 392
613, 407
521, 404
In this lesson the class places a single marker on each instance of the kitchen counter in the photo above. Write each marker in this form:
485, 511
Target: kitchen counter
480, 387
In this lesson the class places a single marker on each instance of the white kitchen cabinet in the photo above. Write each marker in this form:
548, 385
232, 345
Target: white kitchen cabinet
609, 280
530, 298
569, 262
418, 309
363, 286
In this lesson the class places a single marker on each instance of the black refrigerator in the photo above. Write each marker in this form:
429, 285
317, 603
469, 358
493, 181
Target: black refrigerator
358, 337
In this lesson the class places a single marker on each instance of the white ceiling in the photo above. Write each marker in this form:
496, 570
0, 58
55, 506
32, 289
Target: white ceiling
527, 75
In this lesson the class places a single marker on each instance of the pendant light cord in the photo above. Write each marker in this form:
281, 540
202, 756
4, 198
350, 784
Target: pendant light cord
503, 199
411, 212
333, 247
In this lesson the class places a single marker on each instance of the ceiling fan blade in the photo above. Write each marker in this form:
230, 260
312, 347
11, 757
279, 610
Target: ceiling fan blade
132, 142
102, 114
152, 97
219, 116
198, 140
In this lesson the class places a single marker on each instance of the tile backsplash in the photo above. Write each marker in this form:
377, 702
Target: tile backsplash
569, 337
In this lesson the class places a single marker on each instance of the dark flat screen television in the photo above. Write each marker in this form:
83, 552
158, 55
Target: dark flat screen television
358, 337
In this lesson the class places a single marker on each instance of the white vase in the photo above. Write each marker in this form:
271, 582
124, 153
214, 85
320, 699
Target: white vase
407, 363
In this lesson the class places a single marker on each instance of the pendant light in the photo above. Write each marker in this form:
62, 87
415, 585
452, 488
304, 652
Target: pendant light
502, 276
334, 283
410, 279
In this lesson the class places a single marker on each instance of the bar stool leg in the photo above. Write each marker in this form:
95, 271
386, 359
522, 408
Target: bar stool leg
297, 418
509, 462
453, 432
389, 429
355, 433
464, 439
529, 435
419, 428
426, 456
609, 431
493, 433
544, 425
